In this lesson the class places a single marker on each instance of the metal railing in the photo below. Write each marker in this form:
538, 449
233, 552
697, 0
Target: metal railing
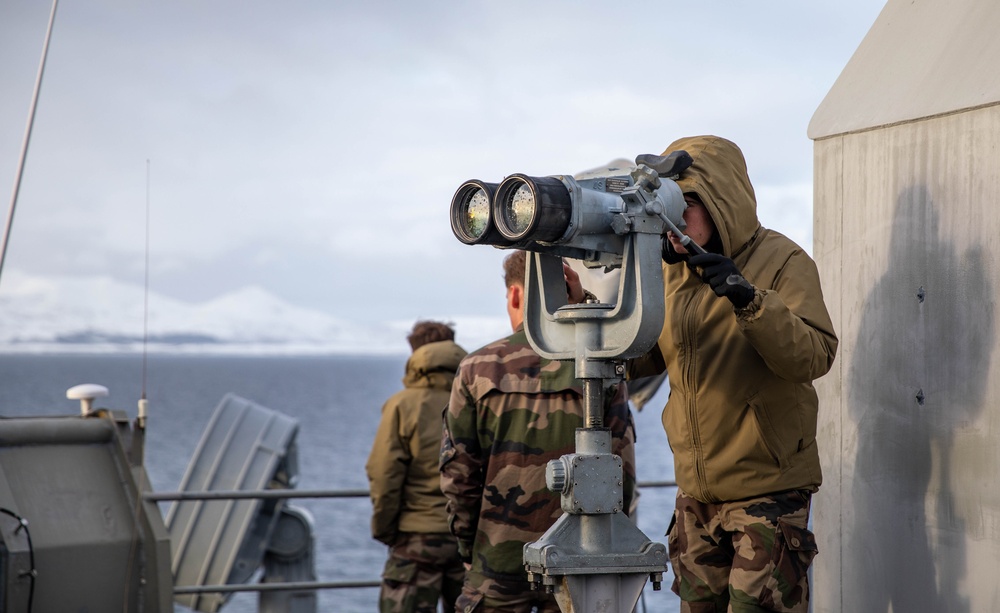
287, 495
260, 494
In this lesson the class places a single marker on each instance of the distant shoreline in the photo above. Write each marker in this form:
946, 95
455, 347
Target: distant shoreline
206, 350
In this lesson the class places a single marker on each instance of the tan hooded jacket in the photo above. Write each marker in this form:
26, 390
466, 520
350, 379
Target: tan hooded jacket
741, 416
403, 465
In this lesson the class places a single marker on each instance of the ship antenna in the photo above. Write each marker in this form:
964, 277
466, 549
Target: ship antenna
138, 442
27, 138
141, 420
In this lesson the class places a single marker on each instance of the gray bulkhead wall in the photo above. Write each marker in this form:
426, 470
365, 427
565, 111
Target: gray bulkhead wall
907, 240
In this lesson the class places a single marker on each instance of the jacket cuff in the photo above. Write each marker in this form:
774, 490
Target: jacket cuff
388, 537
750, 311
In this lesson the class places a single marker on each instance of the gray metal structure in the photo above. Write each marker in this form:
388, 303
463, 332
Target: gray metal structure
245, 447
80, 529
290, 558
594, 558
907, 240
76, 533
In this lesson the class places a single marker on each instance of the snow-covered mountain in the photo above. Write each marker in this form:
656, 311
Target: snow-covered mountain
102, 314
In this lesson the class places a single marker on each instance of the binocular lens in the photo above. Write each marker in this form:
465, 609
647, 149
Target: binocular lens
472, 214
519, 209
476, 218
532, 208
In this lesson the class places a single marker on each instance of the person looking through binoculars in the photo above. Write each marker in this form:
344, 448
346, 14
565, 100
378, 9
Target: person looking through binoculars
745, 334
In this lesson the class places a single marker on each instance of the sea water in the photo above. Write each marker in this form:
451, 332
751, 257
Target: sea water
336, 400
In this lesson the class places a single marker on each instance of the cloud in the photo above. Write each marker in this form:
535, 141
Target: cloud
312, 148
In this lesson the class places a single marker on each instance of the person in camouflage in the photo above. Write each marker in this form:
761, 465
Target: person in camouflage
746, 332
510, 412
408, 506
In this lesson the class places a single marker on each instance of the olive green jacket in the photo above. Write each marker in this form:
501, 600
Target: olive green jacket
403, 465
742, 412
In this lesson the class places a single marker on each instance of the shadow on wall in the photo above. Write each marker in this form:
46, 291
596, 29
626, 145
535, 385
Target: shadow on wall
919, 371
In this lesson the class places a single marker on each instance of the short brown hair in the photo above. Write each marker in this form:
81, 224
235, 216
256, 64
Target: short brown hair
429, 332
513, 268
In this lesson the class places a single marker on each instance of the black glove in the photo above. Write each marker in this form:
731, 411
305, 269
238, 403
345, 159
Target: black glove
669, 255
725, 278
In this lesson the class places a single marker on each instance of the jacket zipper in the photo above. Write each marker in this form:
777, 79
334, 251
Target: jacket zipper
691, 326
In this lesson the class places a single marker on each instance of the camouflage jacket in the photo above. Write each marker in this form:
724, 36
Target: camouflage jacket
510, 412
402, 467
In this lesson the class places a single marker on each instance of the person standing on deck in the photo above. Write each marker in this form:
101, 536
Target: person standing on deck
408, 508
510, 412
746, 333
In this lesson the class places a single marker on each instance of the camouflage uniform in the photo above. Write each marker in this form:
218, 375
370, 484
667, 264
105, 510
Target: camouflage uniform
511, 412
745, 557
408, 509
420, 571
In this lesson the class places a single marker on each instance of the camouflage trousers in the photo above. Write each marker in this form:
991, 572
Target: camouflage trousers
746, 556
421, 569
482, 594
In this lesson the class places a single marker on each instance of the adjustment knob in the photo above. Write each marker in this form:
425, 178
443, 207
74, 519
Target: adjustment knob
556, 475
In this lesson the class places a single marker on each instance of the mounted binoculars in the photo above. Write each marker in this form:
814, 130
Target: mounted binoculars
586, 218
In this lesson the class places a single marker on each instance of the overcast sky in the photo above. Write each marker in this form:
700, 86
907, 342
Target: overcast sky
312, 148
